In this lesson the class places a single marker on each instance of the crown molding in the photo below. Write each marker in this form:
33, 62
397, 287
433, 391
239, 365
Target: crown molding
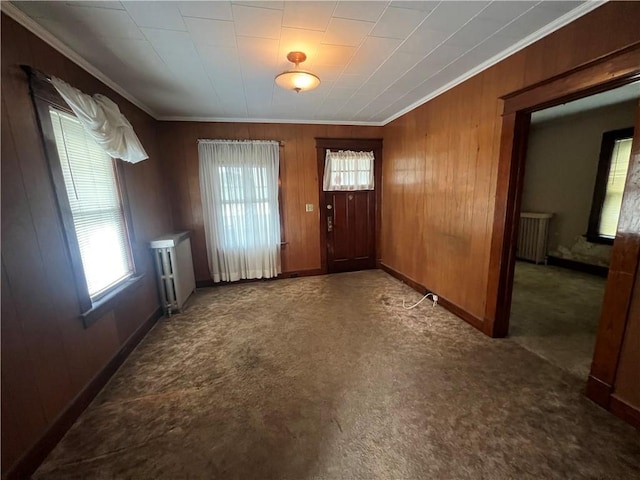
558, 23
34, 27
269, 120
39, 31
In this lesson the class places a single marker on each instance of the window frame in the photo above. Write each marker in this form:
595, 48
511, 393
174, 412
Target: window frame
600, 189
44, 97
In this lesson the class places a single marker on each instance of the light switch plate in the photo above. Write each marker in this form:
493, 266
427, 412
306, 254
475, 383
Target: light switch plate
309, 207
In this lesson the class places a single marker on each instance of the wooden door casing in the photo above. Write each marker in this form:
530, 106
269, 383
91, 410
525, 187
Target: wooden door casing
604, 386
351, 238
374, 201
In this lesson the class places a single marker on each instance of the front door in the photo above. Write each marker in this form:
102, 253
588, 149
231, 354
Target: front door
350, 230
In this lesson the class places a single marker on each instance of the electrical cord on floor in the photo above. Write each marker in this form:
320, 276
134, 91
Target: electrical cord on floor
434, 297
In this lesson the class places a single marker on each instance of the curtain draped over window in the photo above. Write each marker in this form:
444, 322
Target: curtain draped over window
103, 120
348, 170
239, 188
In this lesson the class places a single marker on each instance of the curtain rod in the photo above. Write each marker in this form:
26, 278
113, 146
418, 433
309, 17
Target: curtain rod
207, 140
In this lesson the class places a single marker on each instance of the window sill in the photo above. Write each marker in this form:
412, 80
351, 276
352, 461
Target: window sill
599, 239
110, 300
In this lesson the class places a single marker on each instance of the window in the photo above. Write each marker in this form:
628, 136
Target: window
615, 153
244, 195
240, 202
96, 205
348, 170
91, 203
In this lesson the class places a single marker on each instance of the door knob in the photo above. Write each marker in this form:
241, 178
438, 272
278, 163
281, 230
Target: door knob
329, 224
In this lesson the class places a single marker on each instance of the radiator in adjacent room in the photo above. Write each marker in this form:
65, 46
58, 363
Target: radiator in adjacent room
174, 268
533, 237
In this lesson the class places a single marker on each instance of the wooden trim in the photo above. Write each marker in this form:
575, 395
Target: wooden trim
598, 391
611, 71
125, 208
320, 159
447, 304
623, 273
34, 456
300, 273
598, 270
357, 144
602, 177
109, 301
608, 72
625, 411
513, 151
601, 393
349, 143
43, 95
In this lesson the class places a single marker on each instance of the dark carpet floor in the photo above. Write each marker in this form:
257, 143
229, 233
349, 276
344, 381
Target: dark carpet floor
329, 378
555, 314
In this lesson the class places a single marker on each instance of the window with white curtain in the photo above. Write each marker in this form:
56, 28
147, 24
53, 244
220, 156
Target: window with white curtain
239, 187
347, 170
96, 205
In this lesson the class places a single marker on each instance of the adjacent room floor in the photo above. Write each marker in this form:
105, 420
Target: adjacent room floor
329, 378
555, 314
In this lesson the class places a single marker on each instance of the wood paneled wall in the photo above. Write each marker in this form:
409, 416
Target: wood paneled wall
298, 176
439, 179
48, 357
440, 160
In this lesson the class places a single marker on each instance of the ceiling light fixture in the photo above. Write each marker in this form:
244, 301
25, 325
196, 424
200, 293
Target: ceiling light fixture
297, 79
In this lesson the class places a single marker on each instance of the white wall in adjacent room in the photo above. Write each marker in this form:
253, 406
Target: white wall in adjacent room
562, 162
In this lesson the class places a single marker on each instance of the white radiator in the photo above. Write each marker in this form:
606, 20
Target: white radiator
533, 237
175, 270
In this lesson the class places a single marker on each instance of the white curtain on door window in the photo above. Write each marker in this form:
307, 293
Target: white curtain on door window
239, 188
348, 170
102, 119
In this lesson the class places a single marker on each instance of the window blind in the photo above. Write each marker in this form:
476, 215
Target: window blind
615, 187
96, 206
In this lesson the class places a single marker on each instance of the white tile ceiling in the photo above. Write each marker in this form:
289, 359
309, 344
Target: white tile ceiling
197, 60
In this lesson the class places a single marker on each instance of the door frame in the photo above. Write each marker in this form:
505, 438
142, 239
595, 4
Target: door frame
356, 144
609, 72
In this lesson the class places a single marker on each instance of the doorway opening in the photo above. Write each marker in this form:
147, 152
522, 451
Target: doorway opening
618, 318
576, 162
349, 179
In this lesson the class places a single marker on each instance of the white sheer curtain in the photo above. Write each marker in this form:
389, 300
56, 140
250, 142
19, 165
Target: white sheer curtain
102, 119
239, 188
348, 170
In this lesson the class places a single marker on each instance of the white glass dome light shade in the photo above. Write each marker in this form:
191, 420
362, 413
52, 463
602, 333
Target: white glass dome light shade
296, 79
